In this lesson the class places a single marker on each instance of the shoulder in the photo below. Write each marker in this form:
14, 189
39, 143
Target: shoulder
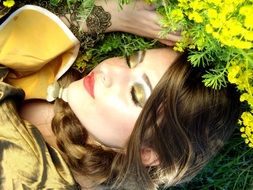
26, 158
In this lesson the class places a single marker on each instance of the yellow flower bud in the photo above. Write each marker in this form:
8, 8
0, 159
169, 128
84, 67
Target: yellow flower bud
8, 3
209, 28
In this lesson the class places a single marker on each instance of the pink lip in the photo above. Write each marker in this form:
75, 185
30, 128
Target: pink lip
88, 83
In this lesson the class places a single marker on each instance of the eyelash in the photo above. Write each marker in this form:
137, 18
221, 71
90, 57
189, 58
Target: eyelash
135, 59
133, 91
128, 61
134, 94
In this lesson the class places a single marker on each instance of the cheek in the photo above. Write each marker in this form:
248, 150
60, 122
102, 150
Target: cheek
114, 123
109, 118
119, 116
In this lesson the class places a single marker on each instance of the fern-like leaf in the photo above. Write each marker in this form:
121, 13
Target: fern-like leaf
215, 78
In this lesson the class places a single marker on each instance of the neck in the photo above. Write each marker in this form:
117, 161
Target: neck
40, 113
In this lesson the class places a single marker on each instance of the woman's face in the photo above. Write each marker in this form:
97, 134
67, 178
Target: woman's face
109, 100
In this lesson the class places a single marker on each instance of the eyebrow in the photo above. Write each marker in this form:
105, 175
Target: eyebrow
145, 76
143, 53
146, 79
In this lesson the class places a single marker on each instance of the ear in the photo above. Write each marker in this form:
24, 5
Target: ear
149, 157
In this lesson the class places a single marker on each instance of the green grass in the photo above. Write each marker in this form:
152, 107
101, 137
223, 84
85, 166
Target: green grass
231, 169
117, 44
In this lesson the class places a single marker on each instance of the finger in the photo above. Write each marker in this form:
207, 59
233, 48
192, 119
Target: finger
177, 32
173, 37
149, 7
146, 6
167, 42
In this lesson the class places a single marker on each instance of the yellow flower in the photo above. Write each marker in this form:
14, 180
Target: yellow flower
246, 10
192, 46
247, 131
247, 97
209, 28
8, 3
228, 8
233, 72
177, 47
215, 35
235, 27
248, 35
248, 22
183, 3
242, 44
215, 2
177, 14
196, 17
247, 119
212, 13
197, 5
200, 43
242, 129
216, 23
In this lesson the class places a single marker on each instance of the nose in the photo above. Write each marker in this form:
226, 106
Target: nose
113, 73
106, 79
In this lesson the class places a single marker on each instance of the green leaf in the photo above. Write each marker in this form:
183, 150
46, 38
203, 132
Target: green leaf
85, 9
215, 78
201, 58
55, 2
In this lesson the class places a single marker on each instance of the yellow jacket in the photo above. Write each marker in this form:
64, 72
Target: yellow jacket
38, 48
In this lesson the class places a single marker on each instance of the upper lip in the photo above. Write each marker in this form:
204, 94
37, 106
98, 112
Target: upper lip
89, 82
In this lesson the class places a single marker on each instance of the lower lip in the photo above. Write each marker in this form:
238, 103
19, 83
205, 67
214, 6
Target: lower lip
88, 83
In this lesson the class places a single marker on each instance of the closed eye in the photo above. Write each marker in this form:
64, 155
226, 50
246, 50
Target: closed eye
138, 94
133, 60
139, 90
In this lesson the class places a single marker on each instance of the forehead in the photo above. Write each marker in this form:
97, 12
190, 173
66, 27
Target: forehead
156, 62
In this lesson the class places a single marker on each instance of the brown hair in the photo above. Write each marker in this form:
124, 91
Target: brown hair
183, 121
85, 159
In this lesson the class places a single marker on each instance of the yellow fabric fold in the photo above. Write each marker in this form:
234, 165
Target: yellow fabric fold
26, 162
37, 47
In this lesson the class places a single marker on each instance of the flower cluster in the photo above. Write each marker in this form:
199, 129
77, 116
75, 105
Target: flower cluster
241, 74
8, 3
228, 21
219, 35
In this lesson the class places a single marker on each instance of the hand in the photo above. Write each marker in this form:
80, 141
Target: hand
141, 19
